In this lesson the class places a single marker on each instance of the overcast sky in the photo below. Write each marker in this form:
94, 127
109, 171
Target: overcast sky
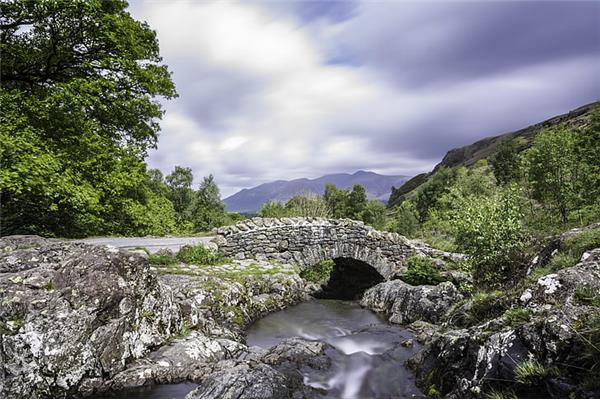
281, 90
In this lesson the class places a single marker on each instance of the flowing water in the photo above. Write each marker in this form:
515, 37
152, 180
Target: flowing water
368, 354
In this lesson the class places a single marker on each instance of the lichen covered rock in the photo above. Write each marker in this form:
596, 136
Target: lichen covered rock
404, 303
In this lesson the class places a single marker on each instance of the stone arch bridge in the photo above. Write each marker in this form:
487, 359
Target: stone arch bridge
308, 241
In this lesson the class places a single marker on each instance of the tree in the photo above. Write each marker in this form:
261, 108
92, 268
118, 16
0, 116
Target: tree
337, 200
181, 194
553, 168
405, 221
78, 111
505, 163
357, 201
208, 211
428, 194
374, 214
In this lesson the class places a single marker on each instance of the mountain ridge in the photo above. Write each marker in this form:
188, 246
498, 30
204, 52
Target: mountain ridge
249, 200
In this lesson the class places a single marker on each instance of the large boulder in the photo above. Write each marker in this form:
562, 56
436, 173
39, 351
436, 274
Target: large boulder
404, 303
72, 311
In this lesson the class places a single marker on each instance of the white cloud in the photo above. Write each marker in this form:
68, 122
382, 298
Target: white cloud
259, 102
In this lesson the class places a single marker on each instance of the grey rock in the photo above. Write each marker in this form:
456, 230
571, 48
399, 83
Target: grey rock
404, 303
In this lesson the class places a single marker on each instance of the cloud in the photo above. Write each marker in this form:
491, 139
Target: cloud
283, 90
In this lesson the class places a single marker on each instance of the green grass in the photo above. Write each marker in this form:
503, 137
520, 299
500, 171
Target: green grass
531, 372
318, 273
517, 316
586, 296
486, 305
200, 255
161, 259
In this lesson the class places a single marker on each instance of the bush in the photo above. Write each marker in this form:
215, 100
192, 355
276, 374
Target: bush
199, 255
586, 240
421, 271
405, 221
490, 232
318, 273
161, 259
587, 296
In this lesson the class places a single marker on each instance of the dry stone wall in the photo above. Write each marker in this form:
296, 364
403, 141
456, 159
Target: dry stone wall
308, 241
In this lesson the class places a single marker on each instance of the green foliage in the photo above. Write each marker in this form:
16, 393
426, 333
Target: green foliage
517, 316
199, 255
207, 210
162, 259
490, 231
532, 373
337, 201
562, 260
179, 184
421, 271
318, 273
273, 209
486, 305
374, 214
405, 220
582, 242
553, 168
587, 296
428, 194
78, 111
506, 162
307, 205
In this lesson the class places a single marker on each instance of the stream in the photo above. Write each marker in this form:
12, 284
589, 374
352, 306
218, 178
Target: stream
368, 353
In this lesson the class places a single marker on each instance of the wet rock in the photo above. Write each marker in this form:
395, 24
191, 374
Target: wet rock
275, 374
404, 303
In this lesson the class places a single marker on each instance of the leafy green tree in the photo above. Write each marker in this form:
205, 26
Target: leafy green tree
157, 184
553, 169
79, 108
506, 162
428, 194
357, 201
181, 194
588, 152
273, 209
405, 220
207, 211
490, 232
337, 200
374, 214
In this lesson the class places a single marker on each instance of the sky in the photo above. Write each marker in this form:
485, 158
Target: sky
288, 89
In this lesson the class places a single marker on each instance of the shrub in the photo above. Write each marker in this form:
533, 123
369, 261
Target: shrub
199, 255
405, 221
491, 233
517, 316
421, 271
318, 273
562, 260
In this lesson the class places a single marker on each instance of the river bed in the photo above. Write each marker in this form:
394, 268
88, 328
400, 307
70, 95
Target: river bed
368, 354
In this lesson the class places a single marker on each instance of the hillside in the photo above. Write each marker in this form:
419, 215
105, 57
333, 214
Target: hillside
250, 200
487, 147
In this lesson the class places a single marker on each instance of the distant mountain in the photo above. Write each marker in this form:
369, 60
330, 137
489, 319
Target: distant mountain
486, 148
250, 200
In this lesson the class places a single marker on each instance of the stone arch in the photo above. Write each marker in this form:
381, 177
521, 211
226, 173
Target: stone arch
349, 279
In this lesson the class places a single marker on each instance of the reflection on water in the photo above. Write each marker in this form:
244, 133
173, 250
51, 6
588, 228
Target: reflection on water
367, 355
167, 391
